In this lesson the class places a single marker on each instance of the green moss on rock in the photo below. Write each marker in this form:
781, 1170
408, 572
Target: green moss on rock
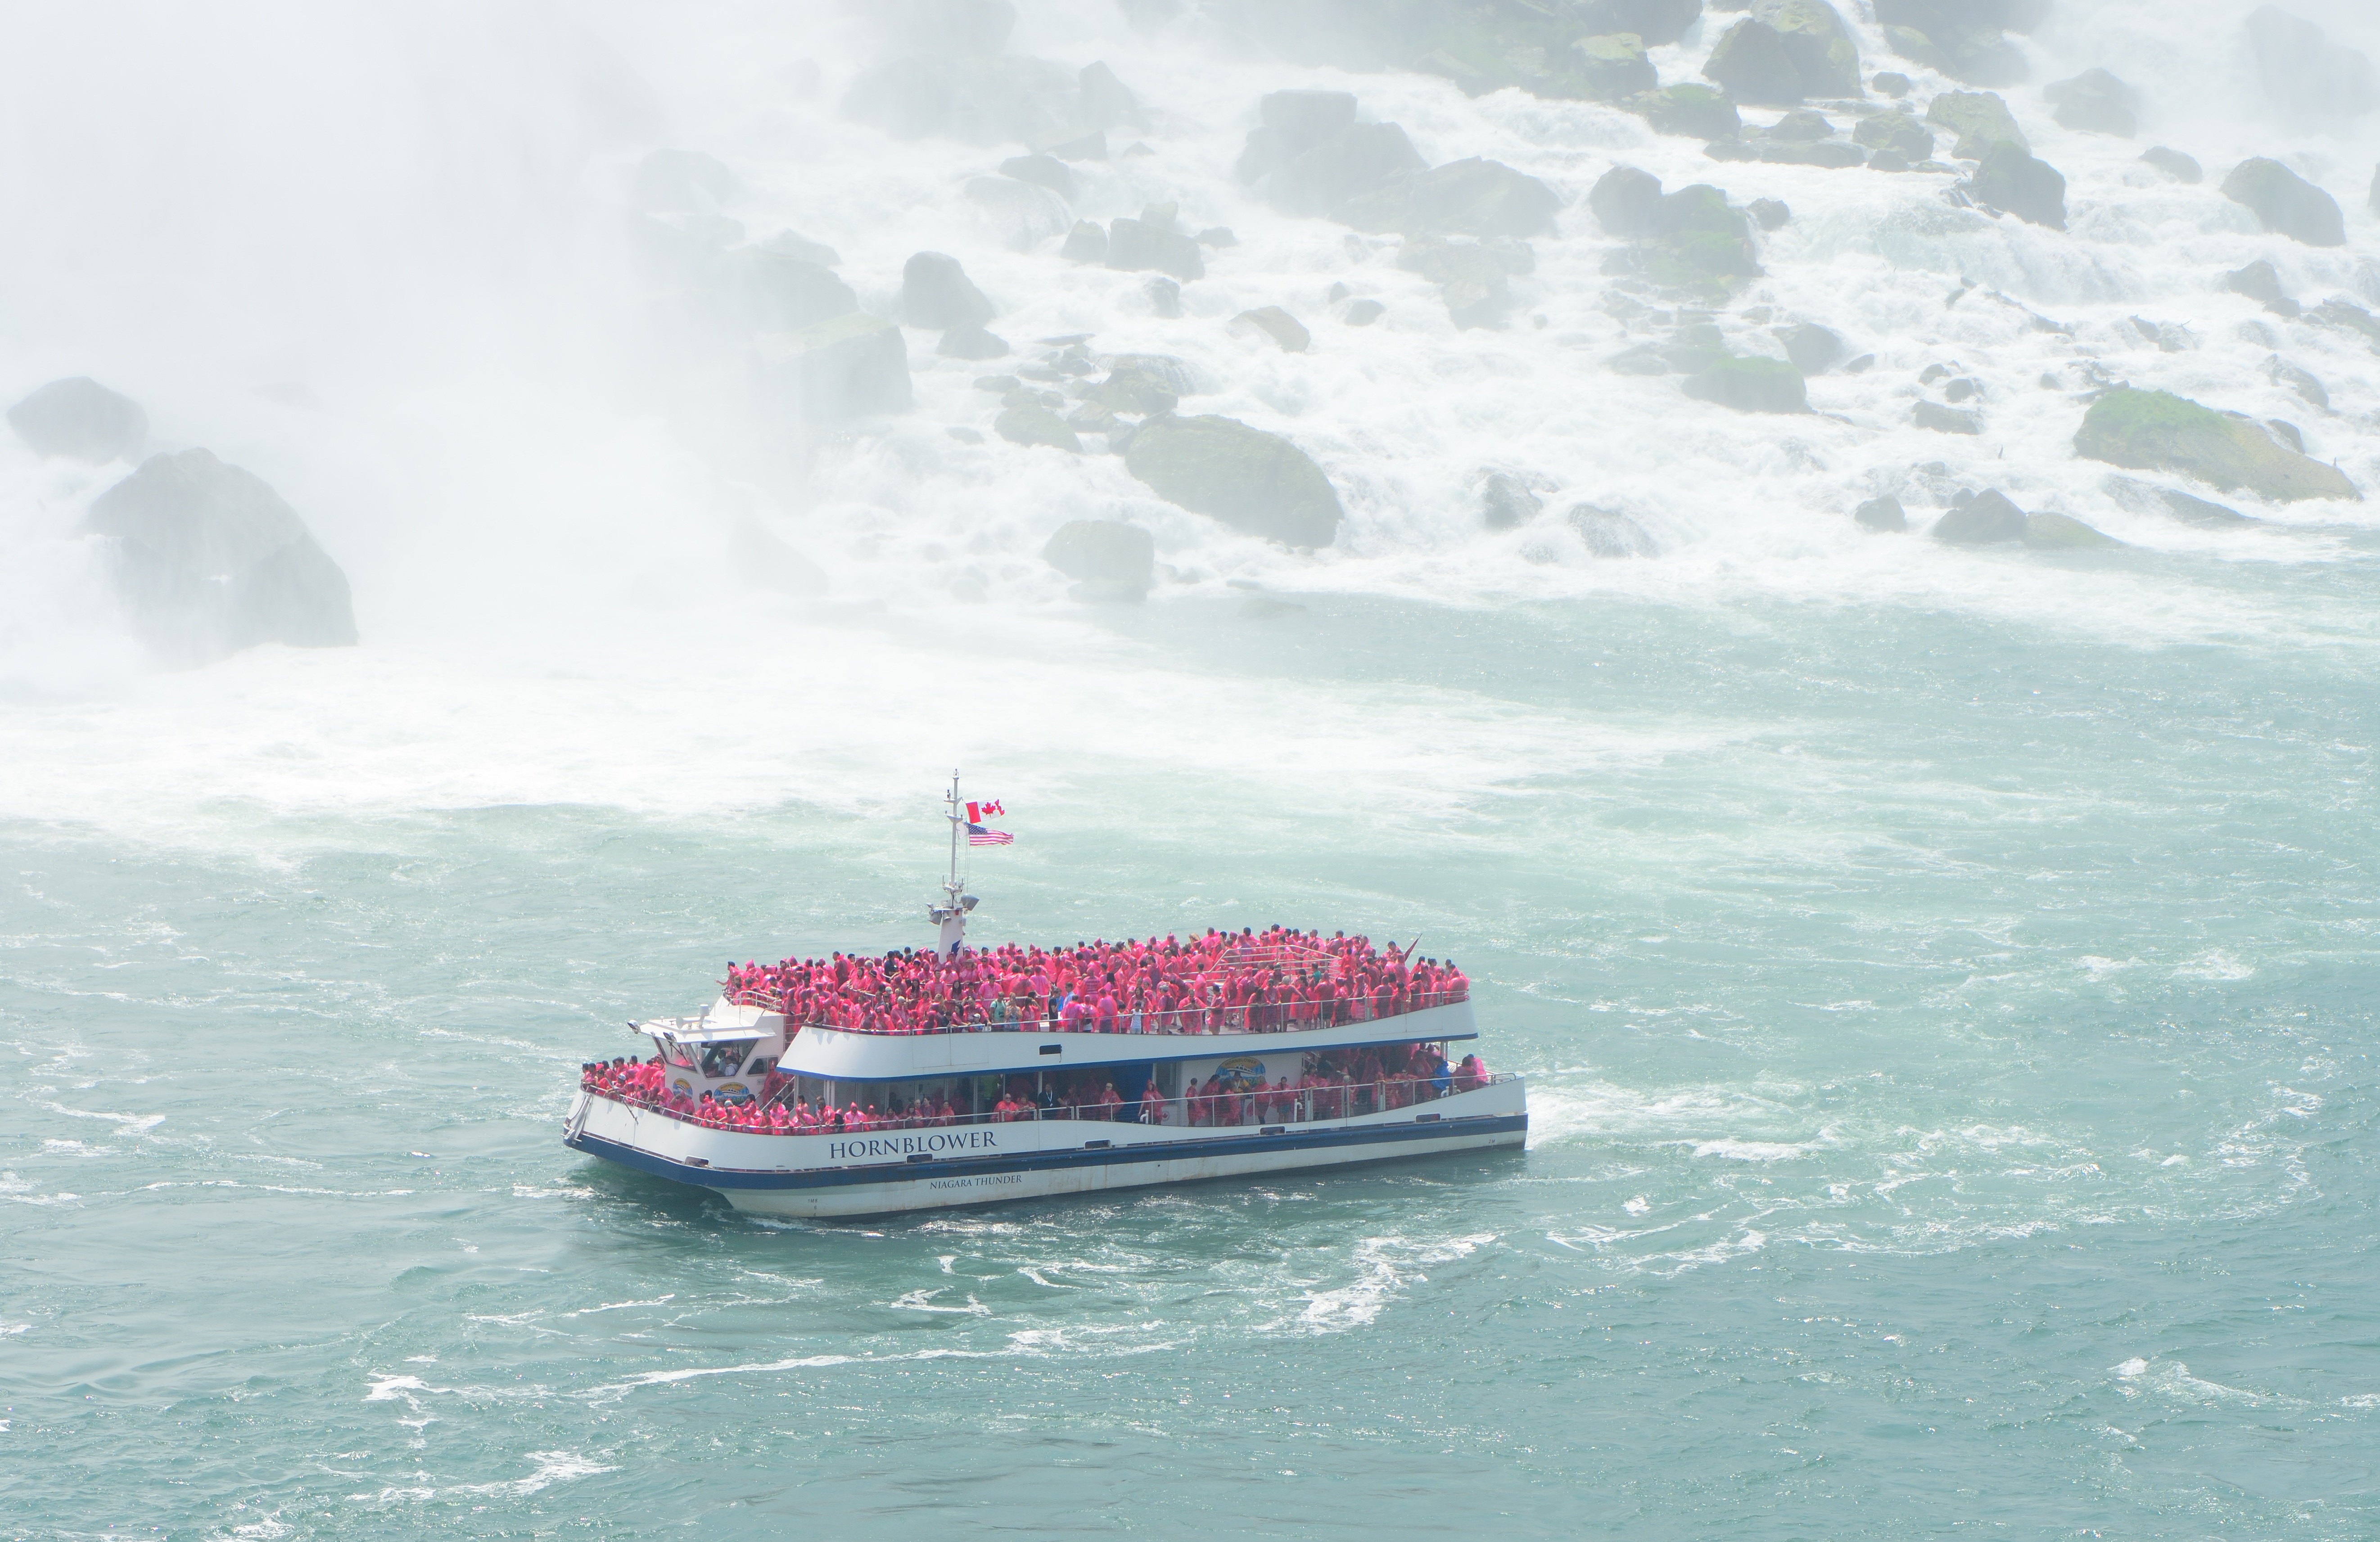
2157, 430
1251, 480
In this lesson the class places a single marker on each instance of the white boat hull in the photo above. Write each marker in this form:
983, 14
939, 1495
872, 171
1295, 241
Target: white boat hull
893, 1170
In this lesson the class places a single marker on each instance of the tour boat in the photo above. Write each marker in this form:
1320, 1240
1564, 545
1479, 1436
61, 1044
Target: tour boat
943, 1077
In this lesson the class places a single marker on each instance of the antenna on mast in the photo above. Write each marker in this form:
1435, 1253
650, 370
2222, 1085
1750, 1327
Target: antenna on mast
950, 916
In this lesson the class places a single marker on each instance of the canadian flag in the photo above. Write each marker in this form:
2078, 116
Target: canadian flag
977, 810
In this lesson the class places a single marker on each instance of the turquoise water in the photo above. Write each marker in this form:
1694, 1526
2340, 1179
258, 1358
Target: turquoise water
1952, 1042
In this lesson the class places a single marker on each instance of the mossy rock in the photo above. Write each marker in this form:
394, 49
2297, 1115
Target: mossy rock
1110, 559
1819, 44
1696, 111
2094, 102
1899, 132
1882, 513
2285, 202
2155, 430
1752, 385
2061, 532
1033, 424
1752, 63
1614, 65
2012, 181
1251, 480
1980, 119
1983, 520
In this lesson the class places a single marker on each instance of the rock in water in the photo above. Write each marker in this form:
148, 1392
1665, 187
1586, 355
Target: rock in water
2143, 498
1136, 246
81, 418
1104, 102
936, 292
1960, 38
1507, 502
1750, 385
1252, 481
1474, 197
835, 370
1357, 160
1306, 118
1362, 313
1751, 62
1819, 44
2094, 102
1770, 214
2155, 430
1882, 513
1042, 171
1109, 559
1980, 119
1609, 533
2174, 163
1626, 202
1697, 111
210, 560
1945, 420
2287, 203
1614, 65
1811, 347
775, 292
1658, 22
2012, 180
1899, 132
2058, 532
2280, 371
2259, 281
1084, 243
1987, 519
2313, 80
971, 343
1277, 324
1030, 423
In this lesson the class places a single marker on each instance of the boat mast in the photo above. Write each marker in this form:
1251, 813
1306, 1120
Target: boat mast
952, 914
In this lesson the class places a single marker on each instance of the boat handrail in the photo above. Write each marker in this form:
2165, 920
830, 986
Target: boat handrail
1299, 1104
1267, 1017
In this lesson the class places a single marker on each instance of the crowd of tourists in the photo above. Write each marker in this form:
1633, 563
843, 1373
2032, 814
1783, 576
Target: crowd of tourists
1245, 981
1334, 1085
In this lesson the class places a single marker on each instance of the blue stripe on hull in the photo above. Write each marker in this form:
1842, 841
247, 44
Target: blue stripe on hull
1381, 1135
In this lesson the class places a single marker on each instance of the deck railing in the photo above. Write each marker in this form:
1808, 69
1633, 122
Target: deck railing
1189, 1111
857, 1015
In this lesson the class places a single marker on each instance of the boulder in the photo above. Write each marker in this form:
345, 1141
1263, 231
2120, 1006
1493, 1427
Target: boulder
1750, 61
1306, 118
1470, 277
1135, 246
1092, 146
1042, 171
82, 420
1609, 533
1750, 385
1254, 481
1980, 119
1164, 297
1818, 43
981, 99
1138, 392
1770, 214
210, 560
2259, 281
1881, 513
1102, 102
1960, 38
1357, 160
792, 243
1897, 132
2058, 531
2344, 313
1700, 240
2144, 498
1473, 197
1697, 110
1945, 420
936, 292
1217, 237
680, 182
2155, 430
2280, 371
1507, 502
1811, 347
1891, 83
2011, 180
1025, 215
2094, 102
1085, 243
1107, 558
837, 370
1626, 202
1613, 66
2313, 80
1277, 324
1171, 374
1982, 520
774, 293
2285, 202
1362, 313
2174, 163
1658, 22
1030, 423
971, 343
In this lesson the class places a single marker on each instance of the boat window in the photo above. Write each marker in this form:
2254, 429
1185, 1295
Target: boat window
675, 1053
724, 1057
762, 1065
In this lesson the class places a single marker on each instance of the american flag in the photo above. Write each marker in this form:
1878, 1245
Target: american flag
979, 836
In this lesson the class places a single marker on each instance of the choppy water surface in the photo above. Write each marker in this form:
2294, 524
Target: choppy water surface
1954, 1105
1945, 975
